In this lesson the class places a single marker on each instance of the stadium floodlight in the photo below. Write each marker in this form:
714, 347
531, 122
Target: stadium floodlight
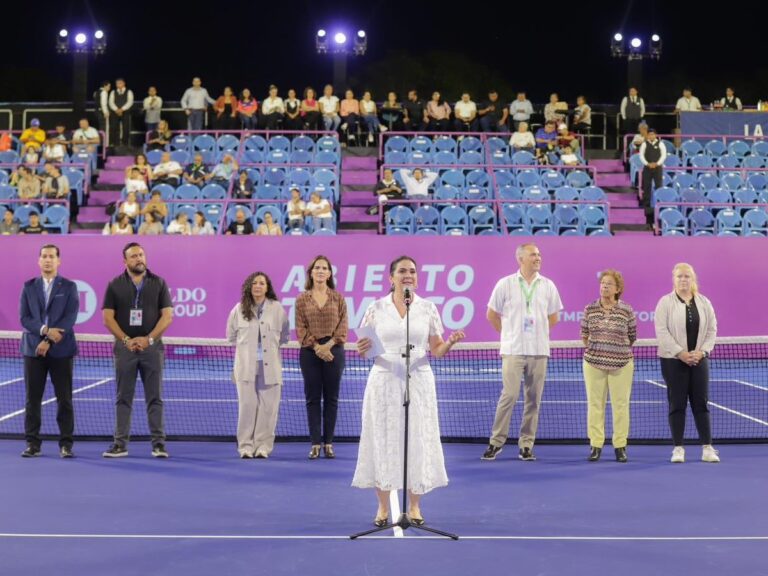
321, 42
80, 38
99, 42
63, 33
636, 43
340, 38
361, 43
655, 48
62, 41
617, 45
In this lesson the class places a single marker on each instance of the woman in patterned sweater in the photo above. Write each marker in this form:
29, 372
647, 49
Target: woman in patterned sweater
608, 329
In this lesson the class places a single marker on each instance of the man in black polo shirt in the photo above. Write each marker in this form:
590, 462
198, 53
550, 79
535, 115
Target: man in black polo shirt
137, 310
414, 112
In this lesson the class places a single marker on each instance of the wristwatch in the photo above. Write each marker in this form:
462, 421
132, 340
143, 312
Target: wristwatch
706, 354
151, 340
125, 340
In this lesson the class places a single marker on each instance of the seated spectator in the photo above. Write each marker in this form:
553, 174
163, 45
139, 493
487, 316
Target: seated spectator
272, 110
225, 108
123, 225
197, 172
567, 138
201, 226
555, 111
310, 109
582, 117
416, 118
167, 171
55, 185
392, 112
136, 183
152, 106
6, 142
180, 225
546, 142
687, 102
522, 139
386, 189
369, 115
269, 227
247, 110
329, 108
465, 114
54, 150
292, 119
34, 226
152, 226
240, 226
350, 115
157, 206
568, 157
32, 138
296, 208
438, 114
9, 226
86, 138
520, 110
319, 211
31, 156
493, 114
160, 137
243, 188
141, 164
28, 184
640, 137
731, 102
130, 207
223, 171
416, 182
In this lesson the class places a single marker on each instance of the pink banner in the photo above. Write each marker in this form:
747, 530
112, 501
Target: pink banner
458, 274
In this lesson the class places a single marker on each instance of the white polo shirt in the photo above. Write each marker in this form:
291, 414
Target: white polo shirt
688, 105
328, 104
464, 109
525, 331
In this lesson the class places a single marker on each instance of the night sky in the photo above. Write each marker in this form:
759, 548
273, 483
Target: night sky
539, 47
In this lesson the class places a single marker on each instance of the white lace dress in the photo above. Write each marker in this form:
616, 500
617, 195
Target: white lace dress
380, 456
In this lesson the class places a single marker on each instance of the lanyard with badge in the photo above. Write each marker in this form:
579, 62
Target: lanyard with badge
528, 319
137, 314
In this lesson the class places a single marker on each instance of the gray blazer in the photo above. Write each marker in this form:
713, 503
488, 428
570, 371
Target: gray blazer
244, 335
670, 325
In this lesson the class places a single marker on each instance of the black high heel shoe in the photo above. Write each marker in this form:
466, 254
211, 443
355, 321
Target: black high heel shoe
328, 449
314, 453
379, 522
417, 521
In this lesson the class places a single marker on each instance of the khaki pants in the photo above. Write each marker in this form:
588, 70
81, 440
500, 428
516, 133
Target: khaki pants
599, 383
258, 406
513, 368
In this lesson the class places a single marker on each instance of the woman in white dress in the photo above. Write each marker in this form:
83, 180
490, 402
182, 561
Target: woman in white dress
380, 457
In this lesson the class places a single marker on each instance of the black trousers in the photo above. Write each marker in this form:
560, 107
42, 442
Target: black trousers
653, 176
128, 366
36, 371
687, 383
322, 380
120, 128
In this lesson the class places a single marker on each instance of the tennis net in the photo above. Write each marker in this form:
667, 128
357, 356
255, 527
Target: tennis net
201, 401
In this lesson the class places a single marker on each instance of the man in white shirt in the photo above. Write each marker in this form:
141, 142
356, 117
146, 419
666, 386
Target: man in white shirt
329, 108
653, 154
523, 307
465, 113
632, 111
167, 171
417, 183
120, 104
153, 104
688, 102
731, 102
85, 138
520, 110
101, 100
195, 102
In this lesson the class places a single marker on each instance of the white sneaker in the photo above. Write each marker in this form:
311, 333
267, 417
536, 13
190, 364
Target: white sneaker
351, 136
370, 138
709, 454
383, 128
678, 455
344, 126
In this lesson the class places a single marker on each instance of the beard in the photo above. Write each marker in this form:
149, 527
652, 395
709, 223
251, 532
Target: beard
139, 268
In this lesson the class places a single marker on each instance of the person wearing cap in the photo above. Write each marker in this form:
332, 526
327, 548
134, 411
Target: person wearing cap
653, 153
566, 138
120, 103
33, 137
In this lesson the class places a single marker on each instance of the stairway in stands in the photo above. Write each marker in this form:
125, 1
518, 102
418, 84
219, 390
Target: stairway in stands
107, 189
626, 216
359, 174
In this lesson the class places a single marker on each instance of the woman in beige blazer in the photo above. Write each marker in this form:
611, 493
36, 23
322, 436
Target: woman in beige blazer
257, 326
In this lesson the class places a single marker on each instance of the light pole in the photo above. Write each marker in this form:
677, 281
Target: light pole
339, 45
81, 46
635, 55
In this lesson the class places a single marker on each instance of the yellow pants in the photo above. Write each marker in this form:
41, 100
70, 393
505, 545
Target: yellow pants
599, 382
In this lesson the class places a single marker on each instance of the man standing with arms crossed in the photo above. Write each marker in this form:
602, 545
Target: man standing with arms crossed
523, 307
137, 310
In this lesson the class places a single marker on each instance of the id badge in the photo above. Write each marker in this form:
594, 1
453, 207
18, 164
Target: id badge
528, 324
136, 317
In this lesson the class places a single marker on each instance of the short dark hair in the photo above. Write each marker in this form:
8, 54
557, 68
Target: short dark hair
51, 247
128, 247
119, 80
10, 210
105, 83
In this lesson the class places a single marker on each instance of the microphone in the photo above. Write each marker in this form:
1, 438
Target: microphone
407, 295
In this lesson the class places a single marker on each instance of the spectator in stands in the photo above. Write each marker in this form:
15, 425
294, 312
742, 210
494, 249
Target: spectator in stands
269, 227
310, 109
140, 162
319, 211
197, 172
416, 118
639, 138
122, 226
329, 107
608, 330
120, 104
687, 102
546, 143
520, 110
568, 157
130, 207
653, 153
567, 138
731, 102
555, 110
349, 111
60, 135
272, 110
417, 182
686, 328
55, 185
168, 171
6, 142
392, 112
101, 99
135, 182
240, 226
153, 105
34, 226
296, 208
465, 114
54, 150
632, 111
293, 119
195, 102
31, 157
32, 138
160, 137
522, 139
226, 111
247, 110
438, 114
28, 185
202, 227
243, 187
156, 206
493, 114
9, 226
86, 138
386, 189
582, 116
180, 225
152, 226
370, 115
223, 171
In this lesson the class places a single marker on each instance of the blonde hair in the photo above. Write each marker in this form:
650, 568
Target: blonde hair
683, 266
617, 277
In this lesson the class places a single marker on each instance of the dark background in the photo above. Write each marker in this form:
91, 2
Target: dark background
536, 46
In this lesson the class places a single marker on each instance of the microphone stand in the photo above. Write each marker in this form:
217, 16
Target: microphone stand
404, 521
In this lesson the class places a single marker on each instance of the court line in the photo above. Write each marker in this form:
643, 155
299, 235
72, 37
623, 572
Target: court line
359, 401
745, 384
50, 400
7, 382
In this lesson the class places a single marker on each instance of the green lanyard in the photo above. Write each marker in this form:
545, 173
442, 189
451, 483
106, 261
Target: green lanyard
528, 294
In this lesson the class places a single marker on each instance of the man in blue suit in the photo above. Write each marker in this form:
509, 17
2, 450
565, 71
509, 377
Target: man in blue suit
48, 310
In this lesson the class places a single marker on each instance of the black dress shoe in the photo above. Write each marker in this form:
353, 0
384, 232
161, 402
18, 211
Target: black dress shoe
379, 522
31, 452
594, 454
66, 452
621, 454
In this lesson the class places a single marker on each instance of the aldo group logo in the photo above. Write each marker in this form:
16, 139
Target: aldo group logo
188, 302
87, 301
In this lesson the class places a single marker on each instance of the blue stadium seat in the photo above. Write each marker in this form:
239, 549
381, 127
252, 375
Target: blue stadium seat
504, 178
592, 218
419, 157
673, 222
692, 195
304, 143
267, 192
665, 194
715, 148
728, 161
731, 181
690, 148
708, 181
567, 193
701, 161
181, 142
718, 196
7, 192
328, 143
181, 156
481, 218
757, 182
536, 193
701, 220
258, 217
256, 142
56, 217
523, 158
552, 179
22, 214
538, 217
421, 144
233, 208
578, 179
683, 180
471, 144
228, 143
166, 191
471, 158
513, 217
445, 144
635, 168
398, 144
745, 196
444, 158
393, 231
755, 222
205, 144
399, 217
277, 157
275, 176
754, 162
301, 157
509, 192
566, 218
301, 177
453, 220
728, 221
527, 178
327, 157
213, 192
672, 162
187, 192
447, 192
254, 156
600, 232
573, 232
9, 157
395, 157
427, 217
279, 143
154, 157
324, 232
452, 177
760, 148
254, 175
671, 150
738, 148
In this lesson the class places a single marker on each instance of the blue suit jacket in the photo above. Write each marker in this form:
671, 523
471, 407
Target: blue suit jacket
63, 306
